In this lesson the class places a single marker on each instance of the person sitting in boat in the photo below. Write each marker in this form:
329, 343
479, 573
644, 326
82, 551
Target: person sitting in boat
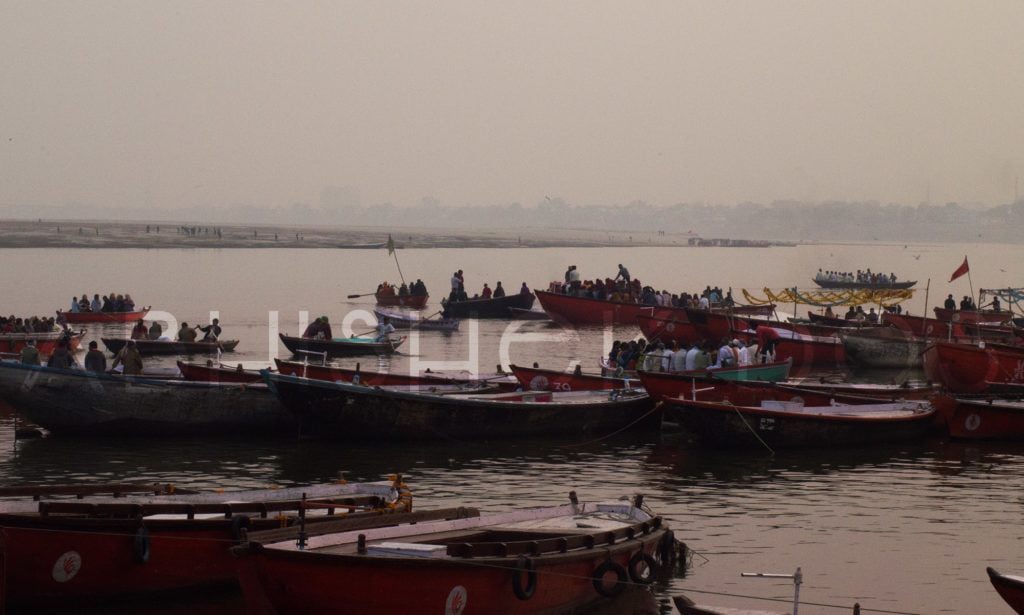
384, 330
419, 289
872, 317
74, 305
524, 289
486, 293
96, 305
186, 333
129, 304
211, 332
61, 357
108, 304
728, 301
155, 330
499, 290
129, 358
94, 360
828, 312
677, 359
574, 280
139, 331
403, 290
30, 354
704, 303
726, 355
996, 307
851, 314
386, 290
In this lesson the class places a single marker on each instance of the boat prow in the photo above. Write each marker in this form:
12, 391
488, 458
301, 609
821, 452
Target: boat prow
1010, 587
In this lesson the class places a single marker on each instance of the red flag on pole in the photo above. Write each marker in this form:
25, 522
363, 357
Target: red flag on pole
962, 269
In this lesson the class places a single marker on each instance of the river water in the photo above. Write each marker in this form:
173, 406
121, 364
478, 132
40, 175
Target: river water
905, 528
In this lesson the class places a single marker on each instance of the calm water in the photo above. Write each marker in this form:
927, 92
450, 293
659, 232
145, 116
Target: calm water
907, 528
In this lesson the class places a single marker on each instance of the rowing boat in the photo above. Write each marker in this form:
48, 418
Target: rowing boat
973, 368
340, 347
571, 310
170, 347
413, 302
981, 419
536, 379
972, 316
495, 307
883, 347
557, 559
412, 320
352, 411
62, 551
1009, 587
209, 372
333, 373
102, 317
46, 343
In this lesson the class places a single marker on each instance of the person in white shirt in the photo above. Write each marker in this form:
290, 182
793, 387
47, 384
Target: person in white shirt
726, 357
384, 329
691, 358
678, 362
704, 303
666, 357
742, 352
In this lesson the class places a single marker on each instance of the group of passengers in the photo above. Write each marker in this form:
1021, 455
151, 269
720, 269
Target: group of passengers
860, 277
967, 304
33, 324
416, 289
676, 357
458, 289
155, 332
624, 289
319, 329
107, 303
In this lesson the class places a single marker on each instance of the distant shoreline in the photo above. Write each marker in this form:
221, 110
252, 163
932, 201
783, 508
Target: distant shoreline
62, 234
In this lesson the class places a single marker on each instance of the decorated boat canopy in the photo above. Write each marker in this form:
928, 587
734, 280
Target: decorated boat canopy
1008, 295
825, 298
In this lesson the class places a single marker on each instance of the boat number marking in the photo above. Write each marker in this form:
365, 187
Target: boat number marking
539, 383
973, 422
767, 424
67, 566
670, 327
456, 602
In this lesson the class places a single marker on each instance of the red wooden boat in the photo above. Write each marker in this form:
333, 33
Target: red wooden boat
211, 372
714, 326
102, 317
536, 379
972, 368
69, 551
559, 559
981, 419
972, 316
804, 350
414, 302
570, 310
332, 373
669, 330
46, 343
1010, 587
921, 326
662, 386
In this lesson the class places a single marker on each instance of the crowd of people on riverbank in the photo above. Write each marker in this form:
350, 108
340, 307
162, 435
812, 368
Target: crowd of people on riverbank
860, 277
107, 303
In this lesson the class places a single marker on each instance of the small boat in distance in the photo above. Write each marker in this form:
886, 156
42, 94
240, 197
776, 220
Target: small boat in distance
495, 307
74, 318
413, 302
46, 343
170, 347
340, 347
530, 314
1010, 587
211, 372
412, 320
903, 285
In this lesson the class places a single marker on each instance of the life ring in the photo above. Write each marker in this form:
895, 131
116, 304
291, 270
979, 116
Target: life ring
524, 564
634, 568
140, 548
620, 580
239, 526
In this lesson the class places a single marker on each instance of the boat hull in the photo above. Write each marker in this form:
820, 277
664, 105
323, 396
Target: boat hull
331, 373
969, 368
405, 320
347, 411
804, 351
886, 348
46, 343
981, 419
103, 317
1011, 589
581, 311
197, 372
149, 348
535, 379
339, 347
499, 307
669, 330
73, 401
971, 316
862, 285
414, 302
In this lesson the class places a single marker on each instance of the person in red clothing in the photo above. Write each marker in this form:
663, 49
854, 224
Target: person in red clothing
486, 294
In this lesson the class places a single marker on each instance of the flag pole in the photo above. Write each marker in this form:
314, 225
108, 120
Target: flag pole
393, 252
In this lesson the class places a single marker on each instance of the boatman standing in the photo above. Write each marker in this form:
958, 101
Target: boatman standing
623, 274
130, 358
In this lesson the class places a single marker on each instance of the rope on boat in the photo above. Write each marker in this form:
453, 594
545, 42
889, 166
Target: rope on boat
656, 407
744, 419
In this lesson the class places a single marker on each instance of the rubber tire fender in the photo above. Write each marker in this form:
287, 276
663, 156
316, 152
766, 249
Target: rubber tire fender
620, 582
140, 546
524, 564
634, 572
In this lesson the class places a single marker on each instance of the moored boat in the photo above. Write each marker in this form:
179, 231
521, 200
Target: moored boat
572, 310
669, 330
804, 350
973, 368
883, 347
75, 401
334, 373
531, 314
971, 316
495, 307
169, 347
685, 606
412, 320
557, 559
1009, 587
797, 424
340, 347
536, 379
210, 372
351, 411
62, 551
922, 326
981, 419
102, 317
46, 343
413, 302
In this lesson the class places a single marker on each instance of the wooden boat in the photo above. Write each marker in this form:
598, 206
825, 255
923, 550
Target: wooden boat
210, 372
167, 347
685, 606
1009, 587
714, 326
571, 310
64, 551
495, 307
558, 559
669, 330
46, 343
804, 350
75, 401
921, 326
413, 302
883, 347
981, 419
830, 321
521, 314
74, 318
971, 316
340, 347
409, 320
973, 368
351, 411
797, 424
333, 373
906, 390
536, 379
859, 285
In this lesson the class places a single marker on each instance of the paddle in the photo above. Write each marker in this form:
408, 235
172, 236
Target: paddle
362, 295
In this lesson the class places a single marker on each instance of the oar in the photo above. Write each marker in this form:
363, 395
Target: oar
362, 295
422, 320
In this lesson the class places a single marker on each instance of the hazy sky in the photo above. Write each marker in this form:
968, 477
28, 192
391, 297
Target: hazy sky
214, 103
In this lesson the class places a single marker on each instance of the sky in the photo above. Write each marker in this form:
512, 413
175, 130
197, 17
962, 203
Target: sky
215, 103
